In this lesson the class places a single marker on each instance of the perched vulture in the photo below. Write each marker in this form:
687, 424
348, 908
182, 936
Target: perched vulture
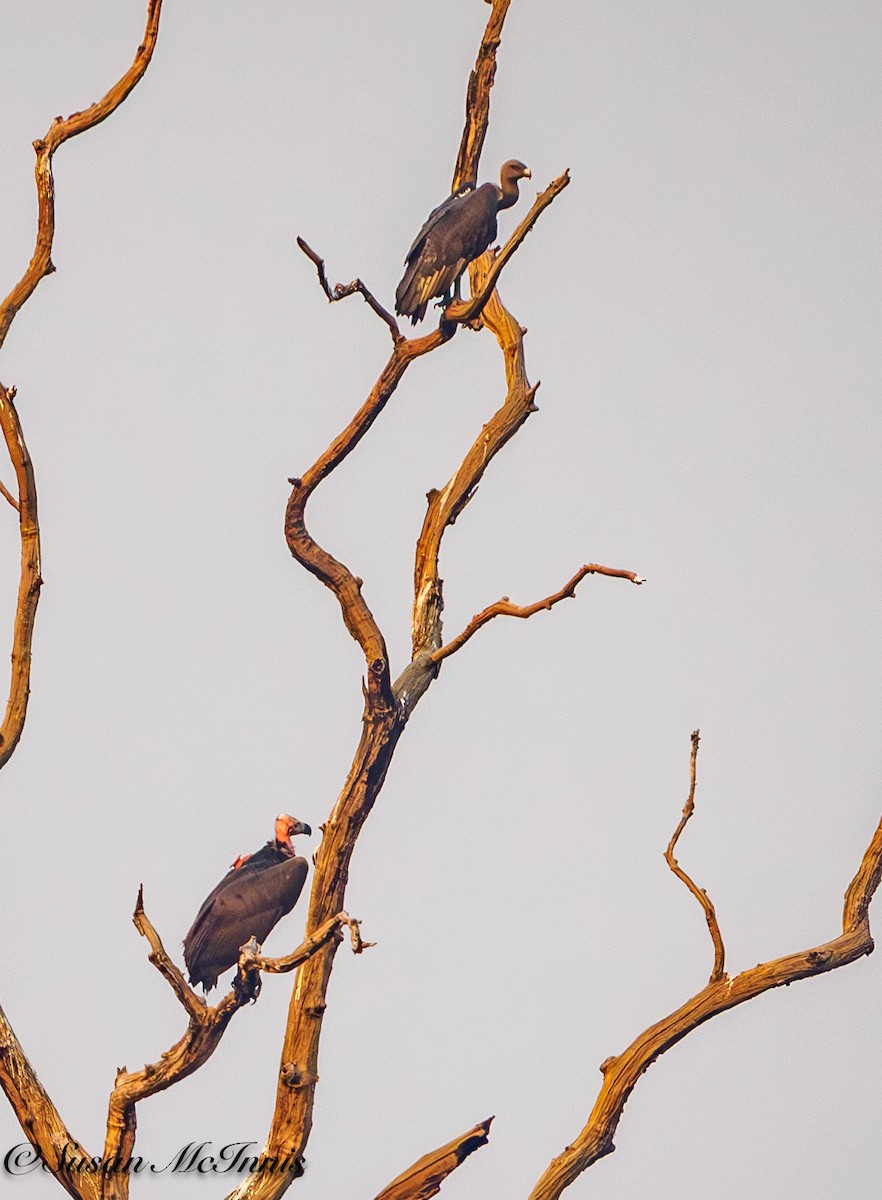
456, 232
255, 893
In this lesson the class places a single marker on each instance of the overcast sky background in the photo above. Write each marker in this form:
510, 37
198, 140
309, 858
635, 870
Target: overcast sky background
704, 307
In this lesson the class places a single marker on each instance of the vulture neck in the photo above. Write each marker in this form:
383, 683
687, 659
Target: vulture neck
508, 193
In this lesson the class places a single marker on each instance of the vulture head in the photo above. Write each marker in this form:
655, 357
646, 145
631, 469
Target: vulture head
511, 172
286, 828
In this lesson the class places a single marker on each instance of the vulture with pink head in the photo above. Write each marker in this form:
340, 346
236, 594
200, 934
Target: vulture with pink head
254, 895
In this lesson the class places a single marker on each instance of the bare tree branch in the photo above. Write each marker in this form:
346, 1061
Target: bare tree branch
206, 1026
504, 607
466, 310
29, 576
621, 1072
423, 1180
719, 968
341, 291
38, 1116
250, 960
35, 1111
477, 114
60, 131
387, 708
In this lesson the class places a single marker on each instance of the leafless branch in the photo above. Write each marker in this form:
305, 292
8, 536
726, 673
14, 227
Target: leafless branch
423, 1180
36, 1113
206, 1026
60, 131
29, 576
386, 708
7, 495
340, 291
504, 607
38, 1116
621, 1072
466, 310
250, 960
719, 968
477, 114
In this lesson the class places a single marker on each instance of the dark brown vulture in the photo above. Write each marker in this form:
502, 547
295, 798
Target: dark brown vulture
456, 232
255, 893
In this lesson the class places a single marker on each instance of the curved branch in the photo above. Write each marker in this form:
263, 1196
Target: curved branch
710, 914
60, 131
29, 578
621, 1072
504, 607
423, 1180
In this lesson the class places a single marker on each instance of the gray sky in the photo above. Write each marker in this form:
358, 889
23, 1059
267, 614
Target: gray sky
704, 307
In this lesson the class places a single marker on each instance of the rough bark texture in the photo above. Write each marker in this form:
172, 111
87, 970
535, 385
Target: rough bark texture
39, 1119
387, 709
423, 1180
29, 576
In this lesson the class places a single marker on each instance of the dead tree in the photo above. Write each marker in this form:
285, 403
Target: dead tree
389, 702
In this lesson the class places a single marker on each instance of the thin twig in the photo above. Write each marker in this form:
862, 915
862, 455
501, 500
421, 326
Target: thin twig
251, 960
504, 607
719, 968
340, 291
7, 495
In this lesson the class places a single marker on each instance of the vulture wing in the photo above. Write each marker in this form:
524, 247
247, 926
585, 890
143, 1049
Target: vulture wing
247, 902
456, 233
435, 216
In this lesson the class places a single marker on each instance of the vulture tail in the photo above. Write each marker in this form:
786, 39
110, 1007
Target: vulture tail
409, 298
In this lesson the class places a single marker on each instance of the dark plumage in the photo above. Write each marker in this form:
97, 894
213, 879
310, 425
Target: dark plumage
457, 231
250, 899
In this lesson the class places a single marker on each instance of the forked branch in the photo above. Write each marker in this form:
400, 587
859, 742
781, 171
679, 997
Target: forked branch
206, 1026
341, 290
621, 1072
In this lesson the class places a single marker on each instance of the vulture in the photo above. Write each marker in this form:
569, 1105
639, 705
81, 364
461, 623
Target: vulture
255, 894
456, 232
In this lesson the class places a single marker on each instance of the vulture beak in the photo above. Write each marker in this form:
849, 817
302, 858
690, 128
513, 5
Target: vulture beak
288, 827
528, 174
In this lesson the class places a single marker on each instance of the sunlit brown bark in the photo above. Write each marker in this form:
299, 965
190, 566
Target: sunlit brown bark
387, 706
621, 1072
39, 1119
423, 1180
389, 702
29, 576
